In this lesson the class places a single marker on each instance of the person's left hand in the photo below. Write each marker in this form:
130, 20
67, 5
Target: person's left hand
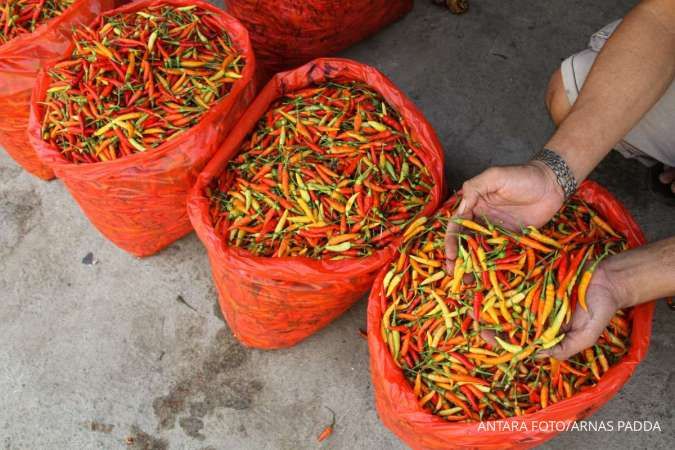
603, 299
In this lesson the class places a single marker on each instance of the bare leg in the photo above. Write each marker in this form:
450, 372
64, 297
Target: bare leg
556, 99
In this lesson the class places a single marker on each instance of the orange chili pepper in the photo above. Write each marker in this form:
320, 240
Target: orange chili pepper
325, 434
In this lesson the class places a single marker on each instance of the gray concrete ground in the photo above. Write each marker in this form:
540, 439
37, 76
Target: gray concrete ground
105, 355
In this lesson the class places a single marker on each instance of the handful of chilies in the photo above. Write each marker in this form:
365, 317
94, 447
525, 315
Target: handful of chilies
330, 171
521, 287
136, 80
18, 17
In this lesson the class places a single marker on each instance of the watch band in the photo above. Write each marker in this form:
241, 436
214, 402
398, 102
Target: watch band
562, 171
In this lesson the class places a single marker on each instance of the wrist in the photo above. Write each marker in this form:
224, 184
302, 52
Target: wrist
553, 186
618, 281
558, 165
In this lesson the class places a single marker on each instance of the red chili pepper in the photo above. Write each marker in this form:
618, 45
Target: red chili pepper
477, 303
469, 395
325, 434
466, 323
507, 259
562, 268
463, 359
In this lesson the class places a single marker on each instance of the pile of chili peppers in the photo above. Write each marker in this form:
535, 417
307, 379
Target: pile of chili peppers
136, 80
519, 288
24, 16
330, 171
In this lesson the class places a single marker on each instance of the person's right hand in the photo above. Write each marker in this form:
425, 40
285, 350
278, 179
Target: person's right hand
513, 196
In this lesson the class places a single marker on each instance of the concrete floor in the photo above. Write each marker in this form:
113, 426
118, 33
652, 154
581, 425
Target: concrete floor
95, 355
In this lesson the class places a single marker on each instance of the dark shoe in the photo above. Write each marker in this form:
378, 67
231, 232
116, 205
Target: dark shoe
657, 187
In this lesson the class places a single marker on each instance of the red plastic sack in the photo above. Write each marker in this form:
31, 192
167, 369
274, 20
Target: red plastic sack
277, 302
20, 60
398, 407
138, 201
287, 33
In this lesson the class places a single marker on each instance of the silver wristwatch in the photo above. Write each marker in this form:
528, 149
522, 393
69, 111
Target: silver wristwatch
562, 171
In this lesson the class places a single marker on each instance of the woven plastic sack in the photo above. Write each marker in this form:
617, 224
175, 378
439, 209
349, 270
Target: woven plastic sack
287, 33
138, 201
20, 60
276, 302
397, 405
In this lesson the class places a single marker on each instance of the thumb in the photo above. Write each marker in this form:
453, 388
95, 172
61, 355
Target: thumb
472, 191
489, 336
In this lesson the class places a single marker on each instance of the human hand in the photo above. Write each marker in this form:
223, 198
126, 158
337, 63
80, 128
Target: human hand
604, 298
513, 196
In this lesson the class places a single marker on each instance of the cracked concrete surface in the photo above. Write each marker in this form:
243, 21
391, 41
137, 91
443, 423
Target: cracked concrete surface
111, 351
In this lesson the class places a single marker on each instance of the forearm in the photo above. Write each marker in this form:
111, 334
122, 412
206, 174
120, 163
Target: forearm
643, 274
633, 70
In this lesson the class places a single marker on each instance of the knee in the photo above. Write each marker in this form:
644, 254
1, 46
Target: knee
556, 99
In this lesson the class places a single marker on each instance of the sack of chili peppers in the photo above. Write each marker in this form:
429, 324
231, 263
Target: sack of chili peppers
305, 201
288, 33
31, 33
438, 378
135, 112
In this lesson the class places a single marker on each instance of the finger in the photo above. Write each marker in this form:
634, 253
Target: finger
464, 211
489, 337
473, 190
573, 342
484, 187
450, 242
499, 217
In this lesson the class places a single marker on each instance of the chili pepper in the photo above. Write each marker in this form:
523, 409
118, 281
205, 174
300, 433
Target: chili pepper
469, 395
585, 282
590, 358
344, 195
325, 434
575, 265
18, 17
506, 260
154, 72
536, 245
463, 359
433, 311
536, 235
604, 225
530, 260
562, 268
473, 226
545, 310
550, 334
508, 347
477, 303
